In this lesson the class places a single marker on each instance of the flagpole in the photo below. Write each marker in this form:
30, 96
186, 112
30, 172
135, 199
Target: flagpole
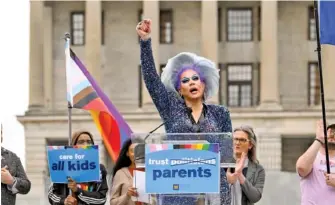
316, 14
69, 107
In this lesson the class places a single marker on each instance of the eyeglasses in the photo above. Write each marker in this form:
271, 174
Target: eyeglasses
240, 140
194, 78
84, 141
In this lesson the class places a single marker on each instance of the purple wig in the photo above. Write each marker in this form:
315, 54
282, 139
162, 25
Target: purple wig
205, 68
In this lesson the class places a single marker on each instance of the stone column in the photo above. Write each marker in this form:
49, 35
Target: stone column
269, 56
151, 11
36, 55
48, 58
209, 34
93, 38
328, 73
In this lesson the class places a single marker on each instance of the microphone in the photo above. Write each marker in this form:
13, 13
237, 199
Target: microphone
139, 150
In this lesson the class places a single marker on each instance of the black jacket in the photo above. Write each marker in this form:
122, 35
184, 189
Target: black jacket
22, 184
58, 192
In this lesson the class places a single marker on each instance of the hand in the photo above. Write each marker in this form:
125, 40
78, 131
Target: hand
330, 179
320, 131
70, 200
144, 29
72, 185
231, 177
240, 163
132, 192
6, 177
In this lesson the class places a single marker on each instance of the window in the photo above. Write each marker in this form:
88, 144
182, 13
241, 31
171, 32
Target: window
311, 24
259, 22
78, 28
239, 85
292, 149
166, 31
313, 84
140, 87
219, 24
239, 25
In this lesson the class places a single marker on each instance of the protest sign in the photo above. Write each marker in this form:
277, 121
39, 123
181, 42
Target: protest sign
182, 168
81, 163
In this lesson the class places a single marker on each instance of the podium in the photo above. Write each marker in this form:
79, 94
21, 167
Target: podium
185, 168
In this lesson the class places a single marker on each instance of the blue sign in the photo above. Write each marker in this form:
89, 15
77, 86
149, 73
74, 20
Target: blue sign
183, 168
81, 163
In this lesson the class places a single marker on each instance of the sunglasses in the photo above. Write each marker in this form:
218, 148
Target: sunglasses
194, 78
241, 140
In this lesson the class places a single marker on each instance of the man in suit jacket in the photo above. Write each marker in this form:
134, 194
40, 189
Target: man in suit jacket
13, 177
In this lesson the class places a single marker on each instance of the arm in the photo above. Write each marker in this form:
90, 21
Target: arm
253, 193
55, 194
96, 197
21, 183
152, 80
305, 162
117, 198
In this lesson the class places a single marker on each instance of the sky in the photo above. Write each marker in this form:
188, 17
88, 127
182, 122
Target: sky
14, 72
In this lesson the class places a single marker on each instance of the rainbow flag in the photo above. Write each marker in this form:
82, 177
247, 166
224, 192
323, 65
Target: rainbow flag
84, 93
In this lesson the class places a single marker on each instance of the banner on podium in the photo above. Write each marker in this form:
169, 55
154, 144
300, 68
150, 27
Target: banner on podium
81, 163
182, 168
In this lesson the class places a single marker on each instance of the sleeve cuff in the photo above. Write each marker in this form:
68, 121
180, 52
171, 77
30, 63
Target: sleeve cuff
13, 188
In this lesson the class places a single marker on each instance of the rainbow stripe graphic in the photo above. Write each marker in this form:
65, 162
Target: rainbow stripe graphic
159, 147
84, 93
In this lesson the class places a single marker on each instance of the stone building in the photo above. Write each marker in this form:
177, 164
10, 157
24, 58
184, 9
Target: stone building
265, 51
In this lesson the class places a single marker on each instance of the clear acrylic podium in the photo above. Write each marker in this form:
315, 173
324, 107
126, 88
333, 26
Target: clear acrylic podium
225, 143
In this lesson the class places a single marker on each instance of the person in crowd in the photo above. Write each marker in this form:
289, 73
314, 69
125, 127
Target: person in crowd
317, 187
122, 184
248, 177
83, 193
13, 177
181, 95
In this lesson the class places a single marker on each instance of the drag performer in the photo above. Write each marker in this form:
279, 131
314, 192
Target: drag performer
180, 97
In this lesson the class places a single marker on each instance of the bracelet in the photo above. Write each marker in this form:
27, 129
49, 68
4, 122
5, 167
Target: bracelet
319, 141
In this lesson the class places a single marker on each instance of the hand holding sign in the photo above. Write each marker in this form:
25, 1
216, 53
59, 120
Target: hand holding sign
72, 185
70, 200
132, 192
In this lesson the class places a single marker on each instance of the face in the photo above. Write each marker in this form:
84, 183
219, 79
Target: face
191, 86
130, 152
331, 138
84, 139
241, 142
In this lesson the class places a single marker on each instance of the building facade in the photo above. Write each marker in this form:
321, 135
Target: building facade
265, 51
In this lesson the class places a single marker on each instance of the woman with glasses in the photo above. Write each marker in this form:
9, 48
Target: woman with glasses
83, 193
180, 96
248, 178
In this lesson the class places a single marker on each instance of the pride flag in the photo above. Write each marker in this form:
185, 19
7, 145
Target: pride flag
84, 93
326, 10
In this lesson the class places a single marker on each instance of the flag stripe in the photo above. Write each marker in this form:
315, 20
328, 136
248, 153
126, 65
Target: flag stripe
85, 100
82, 94
82, 85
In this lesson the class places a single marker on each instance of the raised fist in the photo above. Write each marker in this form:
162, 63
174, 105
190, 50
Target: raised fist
144, 29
